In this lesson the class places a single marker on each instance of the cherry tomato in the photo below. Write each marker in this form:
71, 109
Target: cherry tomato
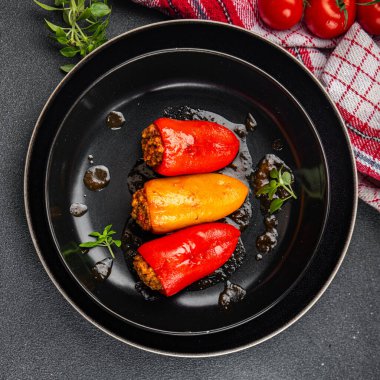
327, 18
280, 14
369, 17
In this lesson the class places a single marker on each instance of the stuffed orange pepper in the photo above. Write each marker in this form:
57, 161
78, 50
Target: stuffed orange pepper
175, 147
168, 204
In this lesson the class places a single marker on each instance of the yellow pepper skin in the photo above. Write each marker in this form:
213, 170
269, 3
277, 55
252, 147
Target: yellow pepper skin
179, 202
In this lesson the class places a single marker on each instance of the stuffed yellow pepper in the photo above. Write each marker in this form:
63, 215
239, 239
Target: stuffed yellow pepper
168, 204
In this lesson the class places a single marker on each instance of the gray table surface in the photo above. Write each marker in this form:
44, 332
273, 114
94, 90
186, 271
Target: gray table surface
41, 336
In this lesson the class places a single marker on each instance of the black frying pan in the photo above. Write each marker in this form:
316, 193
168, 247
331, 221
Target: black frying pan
227, 71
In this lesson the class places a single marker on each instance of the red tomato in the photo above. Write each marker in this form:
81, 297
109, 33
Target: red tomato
326, 18
369, 17
280, 14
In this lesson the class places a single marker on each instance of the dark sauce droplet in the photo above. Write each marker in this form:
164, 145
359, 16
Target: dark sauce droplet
232, 293
102, 269
250, 123
78, 209
97, 177
139, 174
277, 145
115, 120
267, 241
146, 292
241, 131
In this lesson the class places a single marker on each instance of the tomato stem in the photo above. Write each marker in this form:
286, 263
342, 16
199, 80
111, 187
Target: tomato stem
369, 3
342, 7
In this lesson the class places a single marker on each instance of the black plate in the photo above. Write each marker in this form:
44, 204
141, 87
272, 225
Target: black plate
194, 64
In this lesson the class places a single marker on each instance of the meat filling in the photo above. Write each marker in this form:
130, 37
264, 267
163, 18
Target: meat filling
146, 273
152, 146
140, 210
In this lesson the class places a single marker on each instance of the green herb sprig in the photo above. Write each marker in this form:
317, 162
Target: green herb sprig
102, 240
85, 29
278, 179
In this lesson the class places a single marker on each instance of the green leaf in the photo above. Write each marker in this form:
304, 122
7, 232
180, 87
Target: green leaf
61, 2
67, 68
273, 173
92, 27
69, 51
264, 190
286, 178
62, 40
275, 205
90, 48
106, 229
89, 244
80, 5
85, 14
100, 10
272, 193
66, 17
60, 32
101, 239
47, 7
52, 26
117, 243
273, 184
95, 234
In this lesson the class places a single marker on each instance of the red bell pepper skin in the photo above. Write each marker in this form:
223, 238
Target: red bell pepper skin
195, 146
190, 254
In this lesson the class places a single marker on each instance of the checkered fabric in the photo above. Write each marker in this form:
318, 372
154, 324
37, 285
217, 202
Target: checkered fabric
348, 67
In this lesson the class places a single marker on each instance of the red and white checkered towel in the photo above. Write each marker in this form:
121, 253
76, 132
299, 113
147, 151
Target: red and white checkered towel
348, 67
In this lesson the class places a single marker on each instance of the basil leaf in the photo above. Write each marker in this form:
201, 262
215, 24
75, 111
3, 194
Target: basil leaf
52, 26
86, 14
69, 51
100, 10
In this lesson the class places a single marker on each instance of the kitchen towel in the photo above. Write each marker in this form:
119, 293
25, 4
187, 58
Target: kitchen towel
348, 67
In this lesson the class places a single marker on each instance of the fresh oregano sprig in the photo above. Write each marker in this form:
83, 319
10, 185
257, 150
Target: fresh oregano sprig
277, 179
86, 22
102, 240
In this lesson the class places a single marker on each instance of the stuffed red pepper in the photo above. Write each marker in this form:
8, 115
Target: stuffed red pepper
175, 147
171, 263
